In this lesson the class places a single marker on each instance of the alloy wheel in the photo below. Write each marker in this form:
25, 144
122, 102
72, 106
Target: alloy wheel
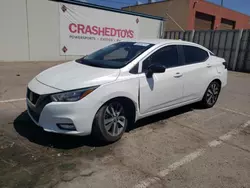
212, 93
114, 119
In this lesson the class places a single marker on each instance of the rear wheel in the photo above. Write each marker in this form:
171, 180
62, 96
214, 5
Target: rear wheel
110, 122
211, 95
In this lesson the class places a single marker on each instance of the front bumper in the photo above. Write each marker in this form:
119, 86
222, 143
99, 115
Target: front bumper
49, 115
54, 113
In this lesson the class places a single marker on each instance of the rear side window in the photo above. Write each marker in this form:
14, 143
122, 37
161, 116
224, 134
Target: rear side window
194, 54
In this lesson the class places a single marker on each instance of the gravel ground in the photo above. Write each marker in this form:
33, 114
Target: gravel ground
186, 147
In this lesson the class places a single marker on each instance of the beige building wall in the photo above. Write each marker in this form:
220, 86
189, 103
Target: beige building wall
30, 31
44, 30
13, 31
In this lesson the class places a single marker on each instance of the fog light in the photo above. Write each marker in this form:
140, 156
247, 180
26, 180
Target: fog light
66, 126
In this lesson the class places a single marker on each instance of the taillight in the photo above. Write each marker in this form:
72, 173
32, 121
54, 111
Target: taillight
225, 64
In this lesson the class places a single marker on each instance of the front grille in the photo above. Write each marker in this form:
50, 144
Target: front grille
34, 114
33, 97
39, 102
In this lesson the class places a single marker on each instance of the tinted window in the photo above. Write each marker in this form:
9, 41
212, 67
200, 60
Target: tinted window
194, 55
167, 56
120, 53
116, 55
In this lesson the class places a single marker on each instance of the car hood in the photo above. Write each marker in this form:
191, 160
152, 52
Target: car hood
73, 75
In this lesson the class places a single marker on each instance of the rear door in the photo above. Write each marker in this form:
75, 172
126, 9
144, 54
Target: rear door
196, 72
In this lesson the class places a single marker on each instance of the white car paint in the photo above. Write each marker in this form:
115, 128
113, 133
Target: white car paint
176, 87
156, 94
72, 75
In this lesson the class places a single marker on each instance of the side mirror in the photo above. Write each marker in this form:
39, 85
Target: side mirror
155, 68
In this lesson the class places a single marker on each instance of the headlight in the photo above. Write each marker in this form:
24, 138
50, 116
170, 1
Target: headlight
72, 96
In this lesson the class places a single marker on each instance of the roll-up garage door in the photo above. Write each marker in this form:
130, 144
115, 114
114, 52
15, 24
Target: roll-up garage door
227, 24
203, 21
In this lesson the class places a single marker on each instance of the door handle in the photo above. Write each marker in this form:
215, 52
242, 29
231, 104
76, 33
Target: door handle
178, 75
209, 66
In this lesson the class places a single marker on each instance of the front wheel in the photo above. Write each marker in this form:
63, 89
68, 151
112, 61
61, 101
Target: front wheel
110, 122
211, 95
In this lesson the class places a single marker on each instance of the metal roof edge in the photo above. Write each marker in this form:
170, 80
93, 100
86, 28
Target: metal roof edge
108, 9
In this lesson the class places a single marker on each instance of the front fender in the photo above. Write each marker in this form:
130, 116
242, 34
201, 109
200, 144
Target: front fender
125, 88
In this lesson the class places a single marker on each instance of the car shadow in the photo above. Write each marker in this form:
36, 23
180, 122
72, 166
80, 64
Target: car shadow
26, 128
163, 116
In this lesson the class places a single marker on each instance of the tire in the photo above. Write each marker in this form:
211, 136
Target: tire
116, 122
211, 95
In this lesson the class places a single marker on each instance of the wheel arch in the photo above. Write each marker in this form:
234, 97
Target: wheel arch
217, 80
129, 103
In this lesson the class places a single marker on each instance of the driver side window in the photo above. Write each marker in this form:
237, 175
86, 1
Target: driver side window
166, 56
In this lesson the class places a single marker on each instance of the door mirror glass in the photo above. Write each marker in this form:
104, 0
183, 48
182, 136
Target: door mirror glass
155, 68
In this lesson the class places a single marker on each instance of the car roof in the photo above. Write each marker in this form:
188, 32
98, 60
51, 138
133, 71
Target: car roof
169, 41
163, 41
156, 41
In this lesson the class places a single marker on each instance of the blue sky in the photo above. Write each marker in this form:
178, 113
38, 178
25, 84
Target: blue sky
238, 5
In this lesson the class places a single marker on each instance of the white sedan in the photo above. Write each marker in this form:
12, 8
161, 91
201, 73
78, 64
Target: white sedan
106, 91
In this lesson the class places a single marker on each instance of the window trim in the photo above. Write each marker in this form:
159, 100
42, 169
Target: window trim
184, 58
211, 53
134, 69
180, 61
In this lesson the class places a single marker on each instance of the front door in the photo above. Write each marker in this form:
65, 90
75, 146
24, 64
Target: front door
162, 89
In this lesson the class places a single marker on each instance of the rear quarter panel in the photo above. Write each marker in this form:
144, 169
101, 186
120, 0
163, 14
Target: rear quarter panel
217, 62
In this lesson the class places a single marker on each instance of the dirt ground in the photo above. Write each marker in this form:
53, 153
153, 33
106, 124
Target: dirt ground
186, 147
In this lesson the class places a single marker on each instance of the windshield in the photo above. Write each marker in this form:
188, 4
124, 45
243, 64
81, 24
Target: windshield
116, 55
